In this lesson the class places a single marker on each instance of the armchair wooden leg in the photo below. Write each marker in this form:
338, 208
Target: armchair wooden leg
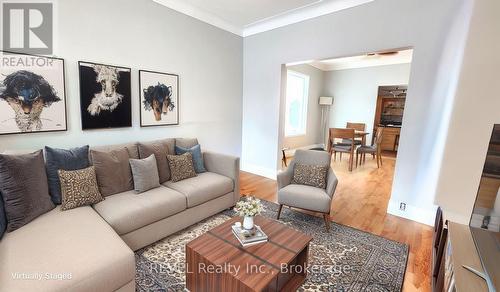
327, 221
378, 159
279, 211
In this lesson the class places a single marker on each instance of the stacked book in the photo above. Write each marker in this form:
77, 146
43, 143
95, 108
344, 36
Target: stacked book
249, 237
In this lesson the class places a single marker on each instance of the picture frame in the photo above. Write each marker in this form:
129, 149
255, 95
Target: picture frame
32, 94
105, 96
158, 98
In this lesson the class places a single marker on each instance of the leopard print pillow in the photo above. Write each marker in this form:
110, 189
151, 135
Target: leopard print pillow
310, 175
181, 166
79, 188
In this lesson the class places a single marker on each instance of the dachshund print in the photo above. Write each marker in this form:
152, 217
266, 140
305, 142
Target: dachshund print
158, 99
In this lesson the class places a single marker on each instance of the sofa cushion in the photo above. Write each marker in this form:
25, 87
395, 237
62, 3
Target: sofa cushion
202, 188
71, 159
24, 188
113, 171
76, 243
306, 197
186, 142
129, 211
199, 165
145, 173
133, 151
160, 148
79, 188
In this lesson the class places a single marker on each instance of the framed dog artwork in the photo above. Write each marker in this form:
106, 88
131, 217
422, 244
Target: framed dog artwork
105, 96
32, 94
159, 98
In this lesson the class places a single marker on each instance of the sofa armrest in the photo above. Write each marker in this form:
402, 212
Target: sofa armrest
331, 183
284, 178
225, 165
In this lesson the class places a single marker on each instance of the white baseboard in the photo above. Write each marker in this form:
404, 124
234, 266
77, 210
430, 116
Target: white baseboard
421, 215
259, 170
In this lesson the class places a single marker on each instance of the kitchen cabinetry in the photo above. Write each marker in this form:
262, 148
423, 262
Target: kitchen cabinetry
389, 115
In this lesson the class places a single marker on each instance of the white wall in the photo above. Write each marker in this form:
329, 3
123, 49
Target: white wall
476, 108
355, 92
386, 24
313, 130
142, 34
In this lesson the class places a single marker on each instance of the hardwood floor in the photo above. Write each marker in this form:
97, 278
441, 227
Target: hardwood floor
360, 201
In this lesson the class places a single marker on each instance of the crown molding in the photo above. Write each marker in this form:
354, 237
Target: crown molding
320, 66
289, 17
363, 61
201, 15
300, 14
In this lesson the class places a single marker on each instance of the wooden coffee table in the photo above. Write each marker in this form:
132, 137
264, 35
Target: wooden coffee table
216, 261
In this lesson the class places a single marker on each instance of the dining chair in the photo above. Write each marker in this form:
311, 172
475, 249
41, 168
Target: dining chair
357, 127
374, 149
284, 157
333, 147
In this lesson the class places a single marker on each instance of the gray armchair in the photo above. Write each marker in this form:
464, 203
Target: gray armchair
307, 197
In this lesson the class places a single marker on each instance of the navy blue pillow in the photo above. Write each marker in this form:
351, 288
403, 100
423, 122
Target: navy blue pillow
55, 159
3, 219
195, 151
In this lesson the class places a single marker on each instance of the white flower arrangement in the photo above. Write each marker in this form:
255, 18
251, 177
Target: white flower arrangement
249, 206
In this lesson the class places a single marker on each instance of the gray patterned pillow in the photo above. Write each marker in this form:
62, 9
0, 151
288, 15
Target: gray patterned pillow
181, 166
310, 175
79, 188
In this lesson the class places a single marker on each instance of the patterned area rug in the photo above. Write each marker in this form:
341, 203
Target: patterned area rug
345, 259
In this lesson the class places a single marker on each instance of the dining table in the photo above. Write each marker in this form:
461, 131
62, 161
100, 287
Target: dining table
357, 134
362, 135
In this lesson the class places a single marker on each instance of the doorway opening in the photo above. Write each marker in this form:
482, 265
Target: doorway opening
352, 107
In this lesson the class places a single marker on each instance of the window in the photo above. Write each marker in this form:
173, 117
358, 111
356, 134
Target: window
297, 95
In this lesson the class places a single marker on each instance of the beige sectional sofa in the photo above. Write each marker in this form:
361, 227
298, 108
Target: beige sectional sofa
91, 248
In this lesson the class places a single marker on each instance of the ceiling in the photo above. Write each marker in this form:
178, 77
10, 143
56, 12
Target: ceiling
245, 12
248, 17
362, 61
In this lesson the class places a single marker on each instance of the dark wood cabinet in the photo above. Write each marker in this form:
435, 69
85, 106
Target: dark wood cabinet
390, 139
389, 114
